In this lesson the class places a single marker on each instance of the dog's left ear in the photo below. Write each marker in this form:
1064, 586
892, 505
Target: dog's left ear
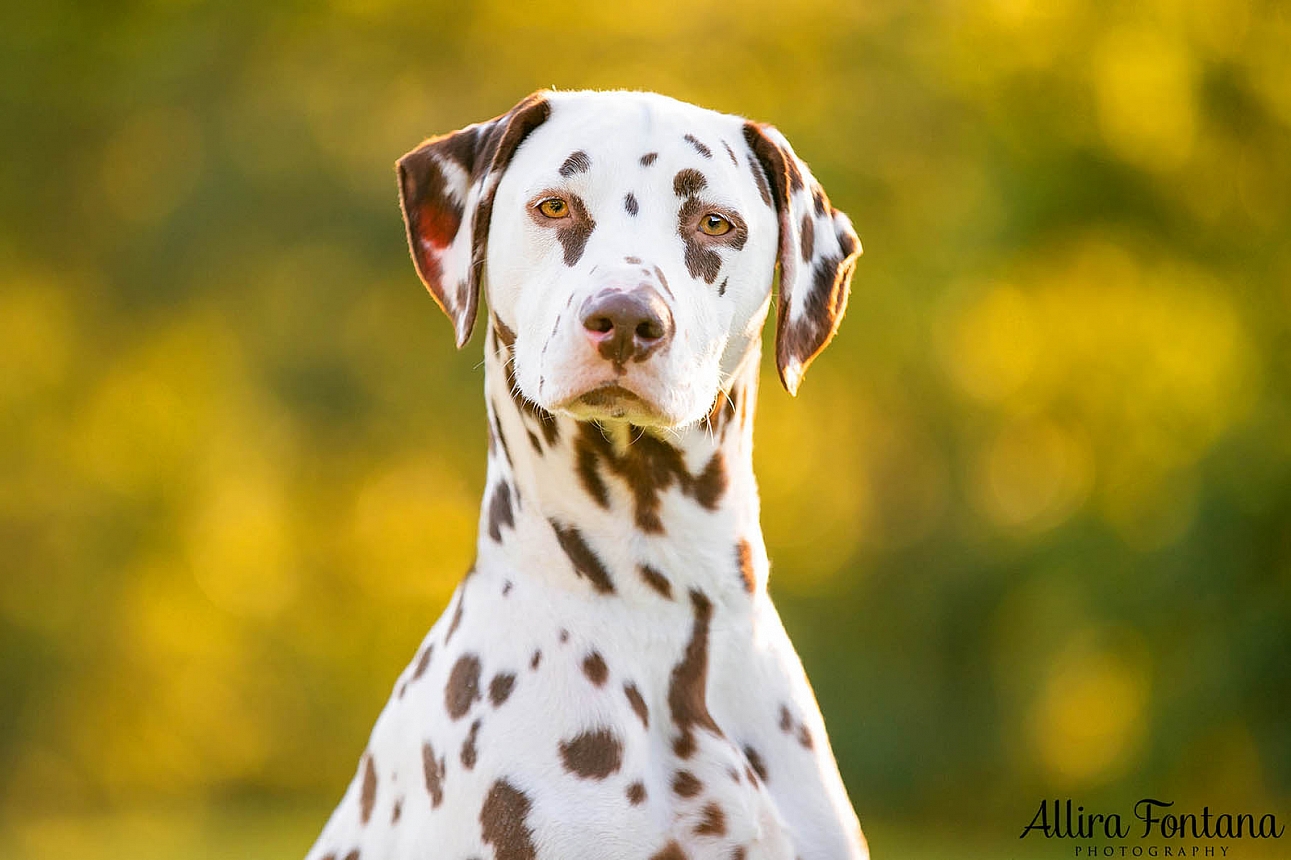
818, 250
446, 189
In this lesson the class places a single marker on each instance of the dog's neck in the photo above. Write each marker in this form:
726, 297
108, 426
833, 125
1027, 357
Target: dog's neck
610, 508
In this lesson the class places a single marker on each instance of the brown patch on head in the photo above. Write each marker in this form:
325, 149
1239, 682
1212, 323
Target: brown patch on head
699, 147
636, 793
655, 580
500, 511
744, 563
423, 661
755, 762
688, 687
688, 182
368, 794
648, 465
593, 754
638, 704
463, 688
630, 203
578, 162
503, 822
500, 688
469, 753
686, 784
595, 669
712, 821
586, 563
434, 772
649, 159
671, 851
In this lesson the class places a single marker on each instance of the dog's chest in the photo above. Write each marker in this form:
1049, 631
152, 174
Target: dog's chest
527, 725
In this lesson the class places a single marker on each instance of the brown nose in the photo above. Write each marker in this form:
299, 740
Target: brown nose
627, 324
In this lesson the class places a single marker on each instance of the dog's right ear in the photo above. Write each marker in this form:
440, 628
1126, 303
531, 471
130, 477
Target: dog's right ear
446, 189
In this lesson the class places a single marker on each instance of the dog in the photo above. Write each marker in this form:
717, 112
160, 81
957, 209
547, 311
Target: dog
610, 679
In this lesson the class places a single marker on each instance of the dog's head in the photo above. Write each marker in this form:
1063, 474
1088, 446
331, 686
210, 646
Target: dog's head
627, 243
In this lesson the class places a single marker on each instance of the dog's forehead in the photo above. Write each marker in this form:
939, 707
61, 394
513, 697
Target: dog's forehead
617, 129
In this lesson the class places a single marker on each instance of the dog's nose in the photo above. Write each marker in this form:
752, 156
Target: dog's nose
627, 324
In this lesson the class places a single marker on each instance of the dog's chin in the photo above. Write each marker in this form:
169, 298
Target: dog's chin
612, 401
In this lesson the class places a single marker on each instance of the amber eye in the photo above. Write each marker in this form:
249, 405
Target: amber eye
554, 207
714, 224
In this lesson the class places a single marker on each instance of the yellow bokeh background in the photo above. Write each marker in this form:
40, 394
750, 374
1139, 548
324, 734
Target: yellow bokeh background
1029, 519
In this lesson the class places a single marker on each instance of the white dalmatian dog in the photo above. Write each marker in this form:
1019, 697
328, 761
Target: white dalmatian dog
610, 679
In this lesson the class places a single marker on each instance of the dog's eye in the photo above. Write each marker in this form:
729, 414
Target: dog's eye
554, 207
714, 224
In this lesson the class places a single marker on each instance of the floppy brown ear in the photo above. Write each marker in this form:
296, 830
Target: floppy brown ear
446, 189
818, 250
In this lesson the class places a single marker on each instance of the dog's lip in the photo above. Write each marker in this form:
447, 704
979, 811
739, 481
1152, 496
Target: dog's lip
610, 399
609, 394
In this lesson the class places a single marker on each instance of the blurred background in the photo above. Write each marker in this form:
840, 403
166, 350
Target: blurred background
240, 460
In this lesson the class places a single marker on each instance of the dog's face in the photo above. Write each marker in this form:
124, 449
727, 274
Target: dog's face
629, 242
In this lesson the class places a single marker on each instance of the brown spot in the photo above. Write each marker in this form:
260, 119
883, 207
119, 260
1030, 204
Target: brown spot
671, 851
463, 688
586, 563
636, 793
423, 661
688, 182
734, 774
500, 511
592, 755
368, 796
632, 261
506, 588
502, 823
588, 476
578, 162
804, 736
721, 288
595, 669
648, 159
711, 483
699, 147
506, 337
755, 762
712, 821
731, 153
500, 688
649, 466
683, 746
630, 203
469, 753
655, 580
739, 852
786, 719
687, 690
434, 770
686, 784
744, 563
807, 235
353, 855
535, 660
564, 635
638, 704
457, 611
396, 812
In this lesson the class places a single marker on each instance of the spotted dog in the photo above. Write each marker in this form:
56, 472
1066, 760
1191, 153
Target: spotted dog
610, 679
